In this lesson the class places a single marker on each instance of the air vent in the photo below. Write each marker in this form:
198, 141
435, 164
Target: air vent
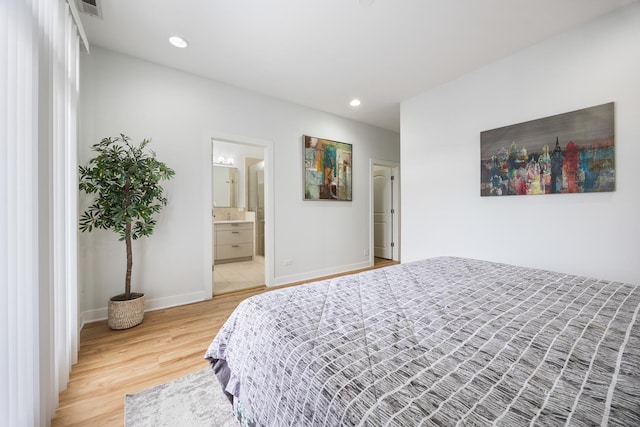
90, 7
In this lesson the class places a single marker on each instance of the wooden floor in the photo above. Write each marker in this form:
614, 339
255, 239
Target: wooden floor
169, 344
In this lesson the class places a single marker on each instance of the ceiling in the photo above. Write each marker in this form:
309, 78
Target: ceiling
323, 53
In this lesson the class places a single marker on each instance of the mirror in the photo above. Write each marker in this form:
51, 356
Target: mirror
225, 187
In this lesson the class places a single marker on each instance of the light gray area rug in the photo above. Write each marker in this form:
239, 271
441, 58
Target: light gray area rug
194, 400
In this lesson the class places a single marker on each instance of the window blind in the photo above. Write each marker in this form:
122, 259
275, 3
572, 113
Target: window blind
39, 50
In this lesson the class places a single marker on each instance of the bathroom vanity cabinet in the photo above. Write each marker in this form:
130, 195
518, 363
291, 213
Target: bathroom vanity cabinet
232, 241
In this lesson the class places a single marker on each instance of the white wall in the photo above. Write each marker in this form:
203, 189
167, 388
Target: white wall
595, 234
177, 110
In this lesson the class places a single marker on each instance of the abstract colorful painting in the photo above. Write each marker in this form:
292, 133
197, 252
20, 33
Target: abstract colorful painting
566, 153
327, 169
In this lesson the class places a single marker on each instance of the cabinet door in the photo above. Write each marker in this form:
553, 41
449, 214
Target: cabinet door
233, 237
240, 250
232, 226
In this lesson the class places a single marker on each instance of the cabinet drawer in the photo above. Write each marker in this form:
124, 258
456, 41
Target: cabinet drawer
233, 226
240, 250
234, 237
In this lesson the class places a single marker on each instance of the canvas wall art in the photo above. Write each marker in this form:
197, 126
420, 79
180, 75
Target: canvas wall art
566, 153
327, 169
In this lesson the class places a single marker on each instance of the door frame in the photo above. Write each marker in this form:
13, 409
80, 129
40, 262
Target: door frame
395, 171
207, 212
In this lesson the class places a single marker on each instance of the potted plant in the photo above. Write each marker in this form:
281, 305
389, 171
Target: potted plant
126, 181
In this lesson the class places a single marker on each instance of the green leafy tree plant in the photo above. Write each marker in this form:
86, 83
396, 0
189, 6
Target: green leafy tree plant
126, 181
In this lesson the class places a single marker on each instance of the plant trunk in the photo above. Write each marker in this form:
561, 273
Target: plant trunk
127, 282
127, 240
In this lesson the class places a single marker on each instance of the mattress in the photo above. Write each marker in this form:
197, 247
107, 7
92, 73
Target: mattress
443, 341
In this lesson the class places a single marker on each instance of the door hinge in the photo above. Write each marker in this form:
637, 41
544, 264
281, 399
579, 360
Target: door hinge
393, 211
393, 244
393, 177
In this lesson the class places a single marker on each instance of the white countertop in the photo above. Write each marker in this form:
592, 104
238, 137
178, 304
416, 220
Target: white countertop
230, 221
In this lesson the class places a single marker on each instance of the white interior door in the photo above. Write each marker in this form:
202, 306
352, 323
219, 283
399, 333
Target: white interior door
382, 207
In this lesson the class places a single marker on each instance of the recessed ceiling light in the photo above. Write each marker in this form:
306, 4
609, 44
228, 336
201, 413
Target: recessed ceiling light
178, 41
354, 102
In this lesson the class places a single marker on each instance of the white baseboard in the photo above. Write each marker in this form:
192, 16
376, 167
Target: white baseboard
149, 305
314, 275
98, 314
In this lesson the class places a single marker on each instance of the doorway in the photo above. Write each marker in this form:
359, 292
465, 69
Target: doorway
385, 211
234, 216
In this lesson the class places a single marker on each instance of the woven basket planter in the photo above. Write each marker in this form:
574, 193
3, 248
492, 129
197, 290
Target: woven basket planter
125, 314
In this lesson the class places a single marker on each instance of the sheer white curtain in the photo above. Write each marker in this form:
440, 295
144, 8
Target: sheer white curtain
39, 48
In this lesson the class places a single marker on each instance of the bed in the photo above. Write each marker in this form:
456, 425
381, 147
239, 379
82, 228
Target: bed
442, 341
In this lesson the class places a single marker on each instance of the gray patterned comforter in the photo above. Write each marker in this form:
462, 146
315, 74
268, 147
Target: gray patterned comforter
443, 341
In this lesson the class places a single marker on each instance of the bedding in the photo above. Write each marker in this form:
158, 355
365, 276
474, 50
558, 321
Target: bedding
442, 341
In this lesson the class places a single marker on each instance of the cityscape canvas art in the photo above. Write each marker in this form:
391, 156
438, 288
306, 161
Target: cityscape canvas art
327, 169
566, 153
